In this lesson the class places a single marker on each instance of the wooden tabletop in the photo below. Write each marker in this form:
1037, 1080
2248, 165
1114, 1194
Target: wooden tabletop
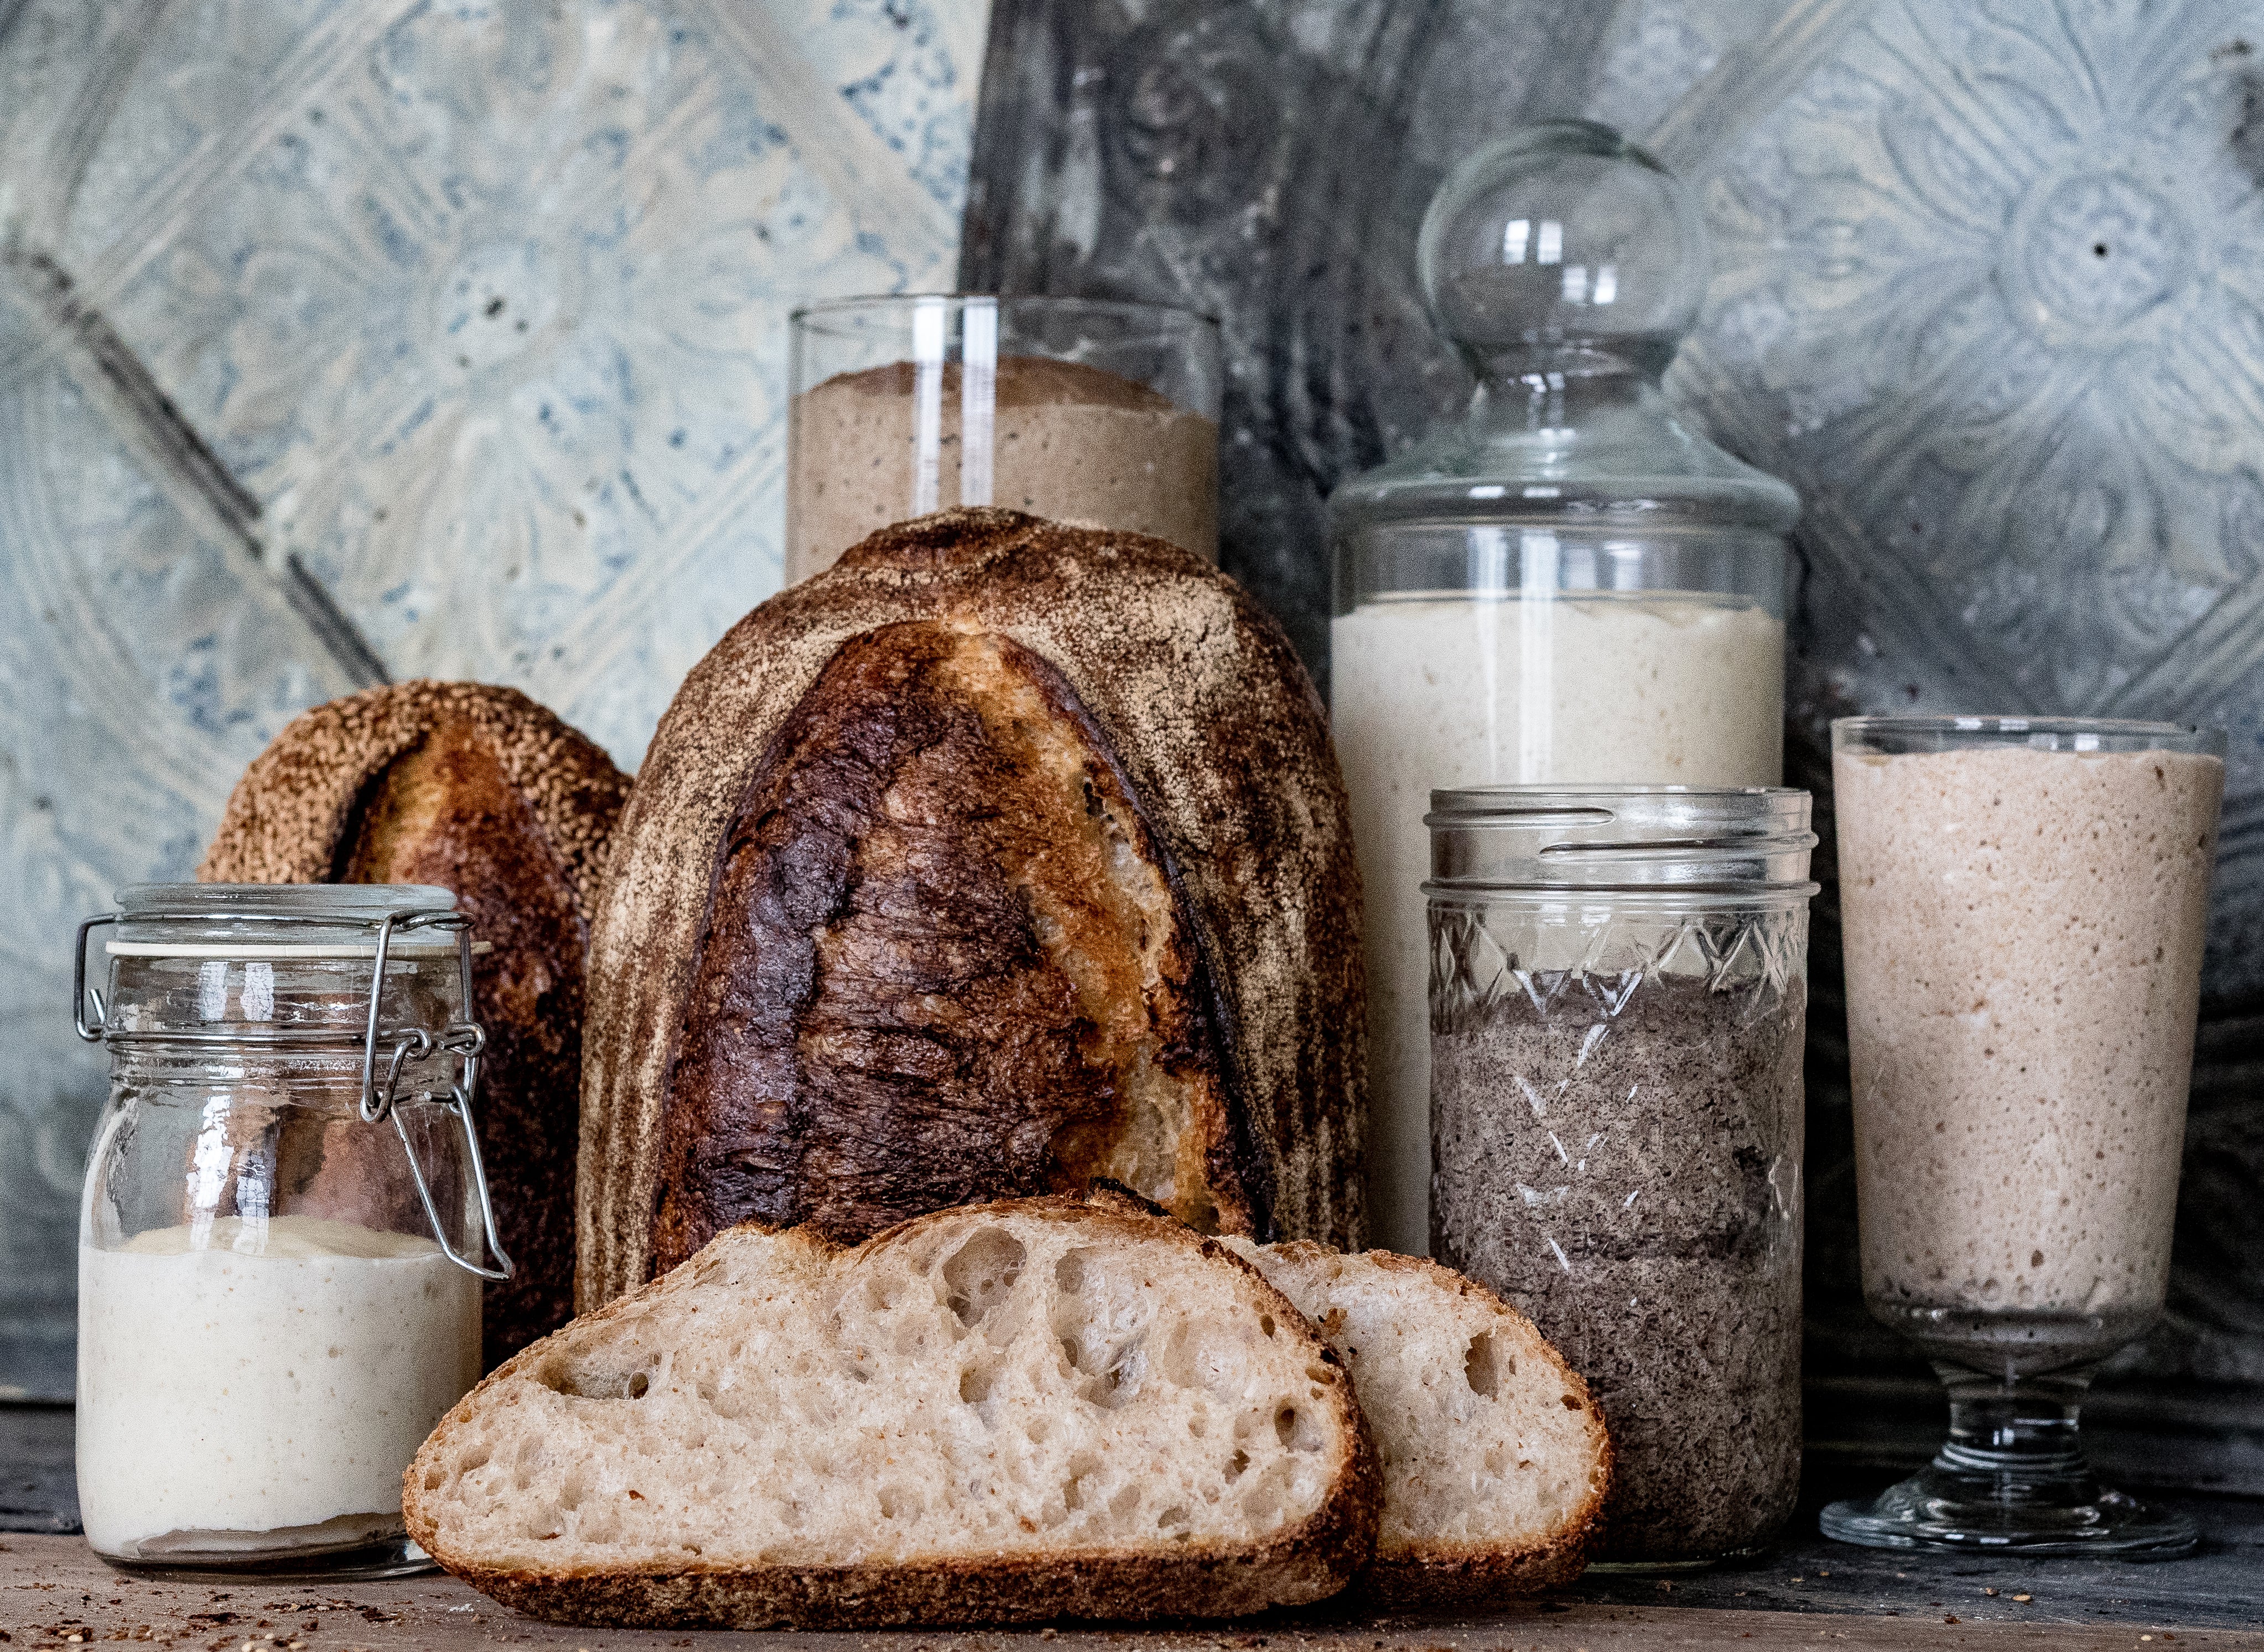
1805, 1593
55, 1594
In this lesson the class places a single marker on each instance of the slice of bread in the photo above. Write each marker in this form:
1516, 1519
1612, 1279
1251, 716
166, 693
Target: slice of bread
1495, 1458
1060, 1407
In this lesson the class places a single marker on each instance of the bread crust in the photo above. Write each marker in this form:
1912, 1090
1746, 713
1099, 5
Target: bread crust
289, 815
943, 1594
1445, 1576
478, 789
870, 936
1194, 698
1437, 1583
1307, 1562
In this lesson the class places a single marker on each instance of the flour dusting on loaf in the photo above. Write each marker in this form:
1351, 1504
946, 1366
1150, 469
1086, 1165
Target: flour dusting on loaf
288, 815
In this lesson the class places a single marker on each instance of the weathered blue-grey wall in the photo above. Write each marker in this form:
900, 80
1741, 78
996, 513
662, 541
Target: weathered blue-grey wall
341, 336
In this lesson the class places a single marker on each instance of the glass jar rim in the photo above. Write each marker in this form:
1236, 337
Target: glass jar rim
276, 920
1906, 736
812, 316
1697, 842
1510, 803
1589, 903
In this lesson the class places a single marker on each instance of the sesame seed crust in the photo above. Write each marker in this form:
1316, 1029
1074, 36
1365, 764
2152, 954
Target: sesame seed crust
287, 819
478, 790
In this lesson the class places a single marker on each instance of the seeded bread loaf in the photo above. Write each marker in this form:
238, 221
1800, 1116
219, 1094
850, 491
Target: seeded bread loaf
481, 791
1496, 1463
1067, 1406
998, 857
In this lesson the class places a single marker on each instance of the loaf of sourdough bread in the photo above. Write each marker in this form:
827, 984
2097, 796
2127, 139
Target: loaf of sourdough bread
997, 857
1496, 1461
481, 791
1066, 1406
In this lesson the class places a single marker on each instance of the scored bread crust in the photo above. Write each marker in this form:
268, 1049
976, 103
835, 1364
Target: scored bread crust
1308, 1560
945, 961
1195, 695
1443, 1575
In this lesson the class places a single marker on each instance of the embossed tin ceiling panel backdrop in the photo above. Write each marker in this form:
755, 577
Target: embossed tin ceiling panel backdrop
341, 338
1989, 290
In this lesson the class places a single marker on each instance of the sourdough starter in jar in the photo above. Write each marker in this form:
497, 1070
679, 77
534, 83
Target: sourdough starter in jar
260, 1386
283, 1234
1566, 585
1070, 441
2021, 1073
1089, 411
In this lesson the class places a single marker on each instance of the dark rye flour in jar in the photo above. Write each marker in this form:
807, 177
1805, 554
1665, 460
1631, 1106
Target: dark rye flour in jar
1618, 1006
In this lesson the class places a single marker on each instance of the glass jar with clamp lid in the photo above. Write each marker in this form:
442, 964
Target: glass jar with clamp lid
285, 1222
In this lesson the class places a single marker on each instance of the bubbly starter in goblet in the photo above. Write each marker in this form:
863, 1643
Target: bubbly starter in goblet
2021, 1075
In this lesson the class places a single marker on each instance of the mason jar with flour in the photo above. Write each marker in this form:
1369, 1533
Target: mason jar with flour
286, 1224
1618, 1011
1567, 585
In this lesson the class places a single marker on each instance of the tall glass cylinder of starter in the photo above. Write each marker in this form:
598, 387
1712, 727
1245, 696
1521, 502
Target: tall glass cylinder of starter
1088, 410
1566, 586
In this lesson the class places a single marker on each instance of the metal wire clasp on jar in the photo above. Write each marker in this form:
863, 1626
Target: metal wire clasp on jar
1618, 1007
280, 1239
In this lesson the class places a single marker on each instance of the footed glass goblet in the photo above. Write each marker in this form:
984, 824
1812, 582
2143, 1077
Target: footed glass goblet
2023, 902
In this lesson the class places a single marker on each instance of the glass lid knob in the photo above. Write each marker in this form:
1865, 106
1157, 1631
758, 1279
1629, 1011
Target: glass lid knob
1559, 241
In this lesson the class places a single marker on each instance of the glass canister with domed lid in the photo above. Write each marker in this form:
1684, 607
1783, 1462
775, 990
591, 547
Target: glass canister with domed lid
1567, 585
